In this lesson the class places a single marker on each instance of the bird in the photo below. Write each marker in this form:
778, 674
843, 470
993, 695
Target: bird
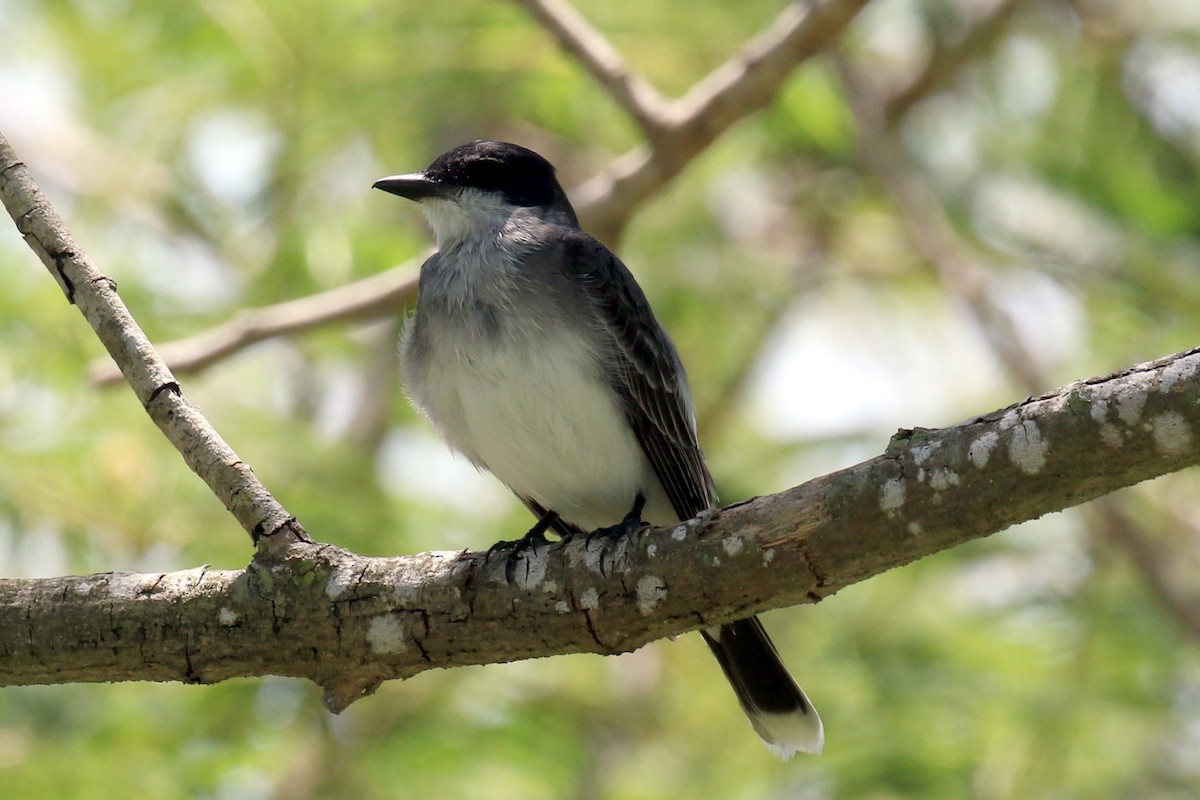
535, 354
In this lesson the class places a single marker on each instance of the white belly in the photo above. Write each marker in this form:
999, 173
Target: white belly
546, 425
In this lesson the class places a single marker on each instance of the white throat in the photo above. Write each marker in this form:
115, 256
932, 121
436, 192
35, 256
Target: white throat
471, 214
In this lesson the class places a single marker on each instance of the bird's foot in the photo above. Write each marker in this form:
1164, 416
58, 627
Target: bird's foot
611, 536
534, 538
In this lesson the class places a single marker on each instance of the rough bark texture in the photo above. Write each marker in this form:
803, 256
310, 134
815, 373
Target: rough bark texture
349, 622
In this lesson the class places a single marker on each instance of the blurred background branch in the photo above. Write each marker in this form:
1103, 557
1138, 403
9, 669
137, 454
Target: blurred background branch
676, 133
387, 294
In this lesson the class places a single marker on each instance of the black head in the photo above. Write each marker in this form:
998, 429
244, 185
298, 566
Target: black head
522, 176
517, 173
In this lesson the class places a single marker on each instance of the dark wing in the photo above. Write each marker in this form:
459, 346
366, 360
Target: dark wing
649, 377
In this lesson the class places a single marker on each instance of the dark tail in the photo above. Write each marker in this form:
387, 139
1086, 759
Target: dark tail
777, 707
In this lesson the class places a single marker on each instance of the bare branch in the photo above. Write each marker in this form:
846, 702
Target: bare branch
748, 81
205, 452
348, 622
1113, 523
744, 84
385, 294
769, 318
595, 53
946, 59
933, 235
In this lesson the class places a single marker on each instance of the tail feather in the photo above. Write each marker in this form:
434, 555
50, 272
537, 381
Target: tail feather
778, 709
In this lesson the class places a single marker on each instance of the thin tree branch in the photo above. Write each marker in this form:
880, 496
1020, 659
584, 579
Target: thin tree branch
348, 622
928, 228
768, 319
744, 84
382, 295
933, 235
205, 452
945, 61
749, 81
596, 54
1113, 523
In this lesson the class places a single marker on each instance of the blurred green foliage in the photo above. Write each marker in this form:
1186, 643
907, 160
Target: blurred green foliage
216, 156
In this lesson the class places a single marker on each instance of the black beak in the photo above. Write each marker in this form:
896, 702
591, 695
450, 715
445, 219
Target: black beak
414, 186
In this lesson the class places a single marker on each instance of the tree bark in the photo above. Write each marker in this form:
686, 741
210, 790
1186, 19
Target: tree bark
348, 622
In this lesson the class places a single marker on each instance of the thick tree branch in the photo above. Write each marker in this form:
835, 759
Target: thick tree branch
95, 294
349, 622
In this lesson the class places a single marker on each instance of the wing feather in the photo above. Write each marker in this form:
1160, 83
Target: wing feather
649, 376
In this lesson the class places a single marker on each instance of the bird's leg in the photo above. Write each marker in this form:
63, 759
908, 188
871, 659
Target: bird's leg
614, 533
534, 537
633, 520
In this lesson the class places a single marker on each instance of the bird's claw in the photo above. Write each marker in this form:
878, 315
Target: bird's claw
518, 549
532, 540
614, 534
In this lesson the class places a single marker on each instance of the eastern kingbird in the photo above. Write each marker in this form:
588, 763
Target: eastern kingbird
535, 354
